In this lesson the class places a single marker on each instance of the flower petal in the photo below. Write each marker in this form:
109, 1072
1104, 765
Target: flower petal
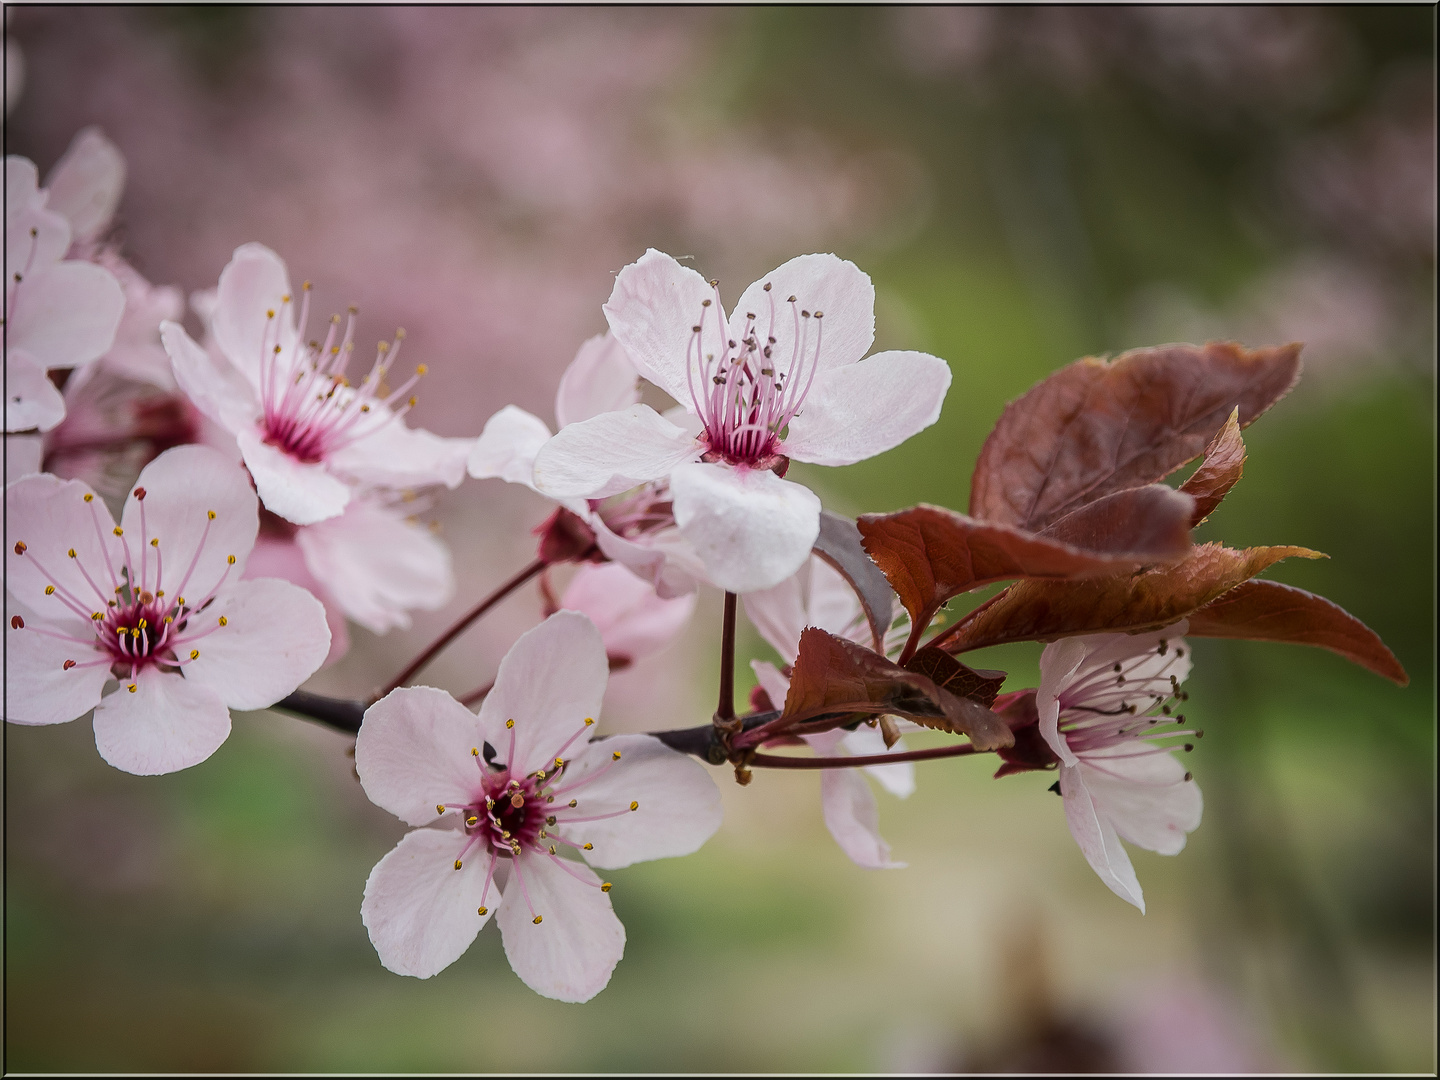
679, 805
550, 681
664, 558
1058, 663
752, 529
49, 517
183, 486
779, 614
772, 681
167, 723
1097, 838
85, 184
23, 455
633, 621
853, 818
393, 455
31, 399
281, 557
378, 565
654, 306
422, 913
413, 753
600, 379
855, 412
27, 251
507, 447
572, 952
274, 638
829, 284
1147, 796
38, 688
611, 453
297, 492
898, 779
213, 384
253, 283
66, 315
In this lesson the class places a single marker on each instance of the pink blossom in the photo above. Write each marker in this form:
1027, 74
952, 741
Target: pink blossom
780, 380
1103, 700
819, 596
512, 786
155, 602
58, 312
306, 433
633, 621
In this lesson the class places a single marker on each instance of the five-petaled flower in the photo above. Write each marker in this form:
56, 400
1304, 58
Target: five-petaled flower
156, 602
504, 793
1103, 700
779, 379
306, 432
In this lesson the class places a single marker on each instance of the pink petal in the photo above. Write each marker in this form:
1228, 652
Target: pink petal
507, 447
772, 681
252, 284
633, 621
422, 913
865, 741
378, 565
168, 723
31, 399
853, 818
855, 412
571, 953
413, 753
297, 492
1097, 838
826, 283
67, 314
651, 311
86, 183
1146, 796
183, 486
25, 210
23, 455
50, 516
600, 379
779, 614
1058, 663
212, 384
277, 557
274, 638
38, 689
664, 558
396, 456
611, 453
752, 529
679, 803
550, 681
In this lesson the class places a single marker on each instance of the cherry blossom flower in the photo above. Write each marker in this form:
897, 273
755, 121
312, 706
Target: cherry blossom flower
511, 788
155, 602
372, 565
782, 379
633, 621
638, 530
1103, 700
307, 434
819, 596
58, 312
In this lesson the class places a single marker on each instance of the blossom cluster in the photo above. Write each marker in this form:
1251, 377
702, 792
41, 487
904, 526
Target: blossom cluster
265, 482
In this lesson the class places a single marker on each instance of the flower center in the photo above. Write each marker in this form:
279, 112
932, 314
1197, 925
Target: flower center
1130, 702
136, 623
310, 409
514, 816
748, 393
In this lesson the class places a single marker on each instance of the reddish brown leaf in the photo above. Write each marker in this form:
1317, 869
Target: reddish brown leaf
839, 545
1217, 474
1046, 610
930, 554
961, 680
1153, 520
1270, 611
833, 675
1101, 426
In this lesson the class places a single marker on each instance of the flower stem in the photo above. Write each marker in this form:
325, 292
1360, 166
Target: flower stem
725, 710
469, 617
777, 761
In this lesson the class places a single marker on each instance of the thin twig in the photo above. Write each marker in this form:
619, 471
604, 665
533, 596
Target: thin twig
725, 710
778, 761
450, 635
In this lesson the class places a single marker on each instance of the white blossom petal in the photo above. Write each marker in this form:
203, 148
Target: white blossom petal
212, 384
38, 688
253, 283
600, 379
85, 184
665, 558
36, 238
1145, 794
295, 491
23, 455
611, 453
654, 306
413, 752
396, 456
167, 723
1097, 838
507, 447
49, 517
31, 399
865, 741
853, 818
66, 315
1059, 661
836, 287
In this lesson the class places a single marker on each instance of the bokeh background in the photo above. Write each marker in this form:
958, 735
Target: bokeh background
1025, 186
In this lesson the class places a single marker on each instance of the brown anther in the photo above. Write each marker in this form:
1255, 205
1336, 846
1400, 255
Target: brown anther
17, 623
67, 665
20, 547
1189, 776
550, 820
791, 300
572, 804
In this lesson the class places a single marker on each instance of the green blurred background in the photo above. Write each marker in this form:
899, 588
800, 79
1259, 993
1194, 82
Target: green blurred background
1025, 186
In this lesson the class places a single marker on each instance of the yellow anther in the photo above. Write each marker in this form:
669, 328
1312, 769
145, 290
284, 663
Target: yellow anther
572, 804
119, 531
400, 333
421, 369
224, 621
230, 560
96, 616
483, 911
509, 723
439, 808
72, 553
615, 756
364, 408
88, 496
559, 763
277, 350
588, 847
550, 821
305, 285
634, 806
132, 688
143, 624
413, 399
160, 594
269, 313
285, 299
179, 601
383, 346
134, 631
194, 654
589, 720
472, 820
605, 886
552, 849
537, 920
457, 864
155, 542
474, 751
49, 589
169, 618
210, 514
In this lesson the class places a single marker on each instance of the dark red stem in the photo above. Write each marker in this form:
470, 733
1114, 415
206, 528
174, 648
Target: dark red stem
777, 761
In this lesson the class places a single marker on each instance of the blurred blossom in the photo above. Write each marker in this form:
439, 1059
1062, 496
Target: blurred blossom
1180, 1024
633, 621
